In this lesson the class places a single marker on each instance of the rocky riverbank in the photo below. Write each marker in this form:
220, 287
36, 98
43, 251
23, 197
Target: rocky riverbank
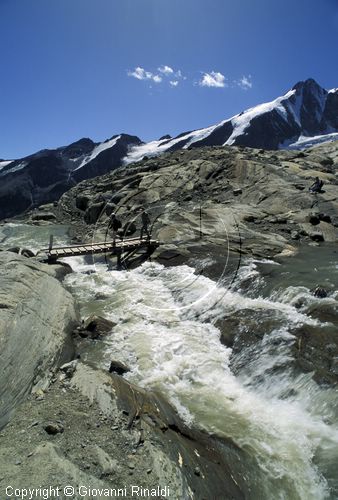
37, 316
217, 202
253, 200
256, 202
98, 431
82, 425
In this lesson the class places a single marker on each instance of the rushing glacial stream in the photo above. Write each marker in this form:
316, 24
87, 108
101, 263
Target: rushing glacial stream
168, 332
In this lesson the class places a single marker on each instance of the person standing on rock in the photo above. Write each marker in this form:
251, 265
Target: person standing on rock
115, 224
145, 223
316, 186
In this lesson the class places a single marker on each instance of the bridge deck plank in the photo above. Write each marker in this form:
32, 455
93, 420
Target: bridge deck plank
116, 247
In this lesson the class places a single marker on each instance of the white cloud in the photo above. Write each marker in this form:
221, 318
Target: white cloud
245, 82
173, 77
213, 79
141, 74
166, 70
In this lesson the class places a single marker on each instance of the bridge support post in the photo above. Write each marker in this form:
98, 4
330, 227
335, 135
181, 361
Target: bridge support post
119, 262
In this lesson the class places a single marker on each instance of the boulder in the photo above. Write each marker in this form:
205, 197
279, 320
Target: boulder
321, 232
27, 253
326, 162
13, 249
319, 292
69, 368
325, 217
295, 235
93, 212
96, 326
118, 367
129, 229
314, 219
53, 428
110, 208
60, 270
37, 316
316, 235
22, 251
81, 202
249, 218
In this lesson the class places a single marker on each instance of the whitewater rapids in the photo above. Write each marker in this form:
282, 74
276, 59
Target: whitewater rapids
166, 333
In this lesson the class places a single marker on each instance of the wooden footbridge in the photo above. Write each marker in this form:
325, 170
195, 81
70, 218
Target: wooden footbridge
122, 249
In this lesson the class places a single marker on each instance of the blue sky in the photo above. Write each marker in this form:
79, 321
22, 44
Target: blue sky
69, 67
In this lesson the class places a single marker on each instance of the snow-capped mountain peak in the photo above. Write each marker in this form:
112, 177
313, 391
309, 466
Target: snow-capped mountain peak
307, 110
306, 115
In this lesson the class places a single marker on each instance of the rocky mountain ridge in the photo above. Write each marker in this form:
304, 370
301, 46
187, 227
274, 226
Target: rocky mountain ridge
44, 176
303, 116
258, 199
307, 110
202, 203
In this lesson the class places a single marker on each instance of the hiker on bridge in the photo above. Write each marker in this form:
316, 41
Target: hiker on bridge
145, 223
114, 224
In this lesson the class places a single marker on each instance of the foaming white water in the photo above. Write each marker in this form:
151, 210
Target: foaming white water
30, 236
302, 298
166, 332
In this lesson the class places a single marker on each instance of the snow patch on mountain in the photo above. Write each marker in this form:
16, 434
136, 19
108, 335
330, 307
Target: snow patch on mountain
4, 164
154, 148
242, 121
98, 149
307, 142
17, 167
202, 133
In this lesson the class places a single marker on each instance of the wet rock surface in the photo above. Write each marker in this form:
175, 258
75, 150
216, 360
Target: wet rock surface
118, 367
210, 201
245, 198
108, 433
311, 348
94, 327
36, 318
